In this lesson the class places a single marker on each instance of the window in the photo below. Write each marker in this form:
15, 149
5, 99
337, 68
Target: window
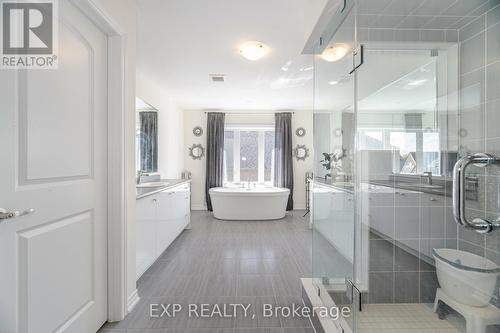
419, 150
248, 154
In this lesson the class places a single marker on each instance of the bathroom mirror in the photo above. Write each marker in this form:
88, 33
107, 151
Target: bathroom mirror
301, 152
300, 132
197, 152
146, 137
198, 131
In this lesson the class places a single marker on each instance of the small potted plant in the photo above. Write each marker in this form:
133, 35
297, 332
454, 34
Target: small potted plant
332, 162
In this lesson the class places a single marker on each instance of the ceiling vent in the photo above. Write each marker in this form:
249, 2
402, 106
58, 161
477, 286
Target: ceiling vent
217, 77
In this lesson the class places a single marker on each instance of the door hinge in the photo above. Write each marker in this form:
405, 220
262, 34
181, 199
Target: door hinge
353, 294
344, 6
358, 58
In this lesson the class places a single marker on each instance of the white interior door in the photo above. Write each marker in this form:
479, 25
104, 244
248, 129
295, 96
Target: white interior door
53, 140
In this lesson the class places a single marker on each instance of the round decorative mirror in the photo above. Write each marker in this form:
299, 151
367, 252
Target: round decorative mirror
197, 152
301, 152
198, 131
300, 132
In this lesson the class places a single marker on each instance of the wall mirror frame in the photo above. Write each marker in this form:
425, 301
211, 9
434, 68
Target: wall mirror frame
301, 152
198, 131
197, 151
300, 132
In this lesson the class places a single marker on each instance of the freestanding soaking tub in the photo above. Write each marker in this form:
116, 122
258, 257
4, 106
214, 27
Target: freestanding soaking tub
249, 204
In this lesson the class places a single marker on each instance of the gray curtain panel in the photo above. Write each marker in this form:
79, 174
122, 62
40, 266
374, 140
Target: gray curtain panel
283, 155
215, 153
149, 141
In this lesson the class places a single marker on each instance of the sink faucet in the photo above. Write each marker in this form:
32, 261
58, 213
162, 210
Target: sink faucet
140, 173
429, 177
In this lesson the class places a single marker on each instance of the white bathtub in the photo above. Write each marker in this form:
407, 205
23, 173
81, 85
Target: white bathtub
265, 203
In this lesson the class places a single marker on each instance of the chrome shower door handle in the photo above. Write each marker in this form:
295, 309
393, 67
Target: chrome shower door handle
481, 160
6, 215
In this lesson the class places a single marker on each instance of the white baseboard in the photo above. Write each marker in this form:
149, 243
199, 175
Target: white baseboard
132, 301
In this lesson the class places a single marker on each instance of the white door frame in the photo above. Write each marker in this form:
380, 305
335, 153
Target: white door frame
118, 108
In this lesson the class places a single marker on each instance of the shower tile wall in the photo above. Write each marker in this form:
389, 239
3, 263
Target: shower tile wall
480, 123
480, 126
398, 273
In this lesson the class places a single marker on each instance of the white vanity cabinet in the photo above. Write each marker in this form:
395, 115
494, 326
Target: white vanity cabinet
420, 221
161, 217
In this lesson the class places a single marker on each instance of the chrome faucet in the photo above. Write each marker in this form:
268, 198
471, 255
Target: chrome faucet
140, 173
429, 177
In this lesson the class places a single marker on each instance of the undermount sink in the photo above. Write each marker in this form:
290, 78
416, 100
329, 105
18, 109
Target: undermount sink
152, 185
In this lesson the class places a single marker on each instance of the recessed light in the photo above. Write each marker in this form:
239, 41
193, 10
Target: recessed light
253, 50
334, 52
332, 83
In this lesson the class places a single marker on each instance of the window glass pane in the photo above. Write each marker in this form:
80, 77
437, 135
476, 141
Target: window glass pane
432, 153
268, 155
371, 140
406, 143
249, 155
228, 156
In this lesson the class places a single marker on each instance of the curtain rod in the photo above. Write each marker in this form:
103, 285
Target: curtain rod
249, 113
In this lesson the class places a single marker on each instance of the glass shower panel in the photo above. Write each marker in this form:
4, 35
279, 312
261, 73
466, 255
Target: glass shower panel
333, 189
427, 94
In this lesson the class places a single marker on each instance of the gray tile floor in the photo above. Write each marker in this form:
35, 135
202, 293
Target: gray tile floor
218, 262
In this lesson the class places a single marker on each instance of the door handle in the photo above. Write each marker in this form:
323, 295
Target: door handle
6, 215
480, 160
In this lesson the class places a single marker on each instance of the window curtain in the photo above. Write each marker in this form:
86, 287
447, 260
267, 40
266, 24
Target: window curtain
215, 153
149, 141
283, 154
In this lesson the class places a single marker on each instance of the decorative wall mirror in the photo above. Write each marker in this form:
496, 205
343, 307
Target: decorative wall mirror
300, 132
198, 131
301, 152
197, 152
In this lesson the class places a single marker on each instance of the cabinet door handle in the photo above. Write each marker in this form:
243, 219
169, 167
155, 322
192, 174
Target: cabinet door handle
432, 199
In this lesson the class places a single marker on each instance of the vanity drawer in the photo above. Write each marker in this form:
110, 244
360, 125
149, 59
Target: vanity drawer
406, 198
433, 200
383, 199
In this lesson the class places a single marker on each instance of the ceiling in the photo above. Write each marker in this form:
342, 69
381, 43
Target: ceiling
180, 43
421, 14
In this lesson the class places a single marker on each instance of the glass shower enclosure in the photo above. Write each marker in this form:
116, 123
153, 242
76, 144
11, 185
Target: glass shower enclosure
406, 200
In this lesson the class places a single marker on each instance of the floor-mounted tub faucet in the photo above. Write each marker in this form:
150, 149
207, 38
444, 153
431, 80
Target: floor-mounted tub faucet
428, 175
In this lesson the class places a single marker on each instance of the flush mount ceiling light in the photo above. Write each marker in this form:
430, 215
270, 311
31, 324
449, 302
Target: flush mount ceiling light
334, 52
253, 50
332, 83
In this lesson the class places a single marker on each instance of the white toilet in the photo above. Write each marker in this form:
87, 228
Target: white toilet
467, 284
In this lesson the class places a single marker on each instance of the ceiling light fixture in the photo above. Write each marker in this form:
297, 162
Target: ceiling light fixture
332, 83
334, 52
253, 50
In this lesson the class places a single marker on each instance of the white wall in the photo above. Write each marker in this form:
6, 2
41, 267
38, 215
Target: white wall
197, 167
123, 13
170, 127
